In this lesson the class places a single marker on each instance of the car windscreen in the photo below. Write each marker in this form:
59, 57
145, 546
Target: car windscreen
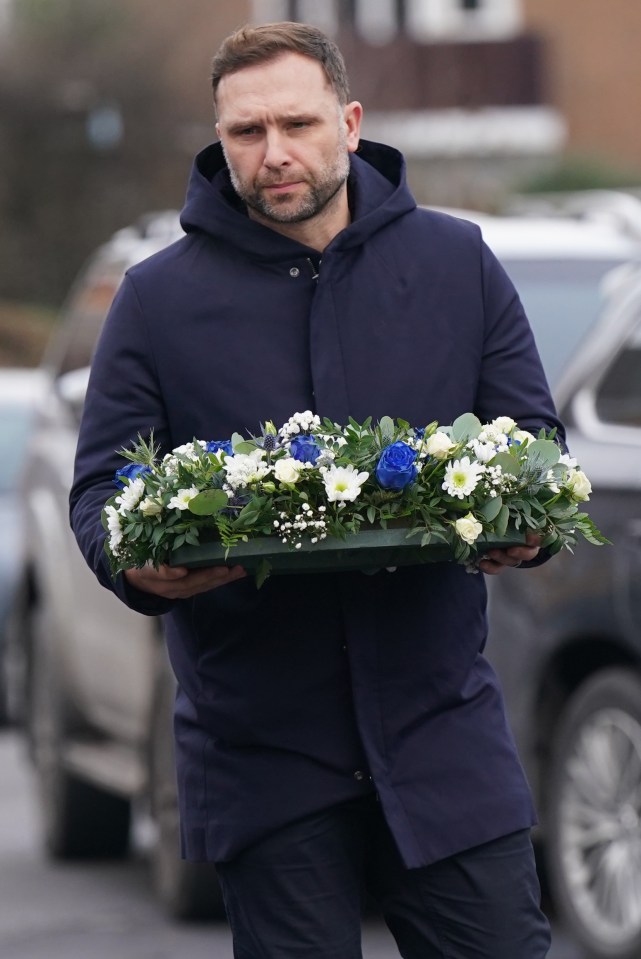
563, 299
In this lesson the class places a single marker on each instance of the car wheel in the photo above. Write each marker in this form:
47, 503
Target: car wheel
594, 816
79, 821
188, 890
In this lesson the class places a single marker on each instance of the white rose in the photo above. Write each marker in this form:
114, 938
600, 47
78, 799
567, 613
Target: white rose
522, 436
287, 470
504, 423
150, 507
579, 484
439, 445
468, 528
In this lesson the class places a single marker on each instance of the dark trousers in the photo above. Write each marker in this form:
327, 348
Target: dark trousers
298, 894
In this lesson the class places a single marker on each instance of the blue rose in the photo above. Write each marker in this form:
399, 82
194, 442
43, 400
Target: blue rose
396, 467
225, 445
129, 473
305, 449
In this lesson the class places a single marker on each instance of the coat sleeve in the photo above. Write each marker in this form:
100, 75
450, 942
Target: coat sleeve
511, 376
123, 400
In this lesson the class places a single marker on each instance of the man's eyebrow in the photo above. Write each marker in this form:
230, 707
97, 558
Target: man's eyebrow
236, 126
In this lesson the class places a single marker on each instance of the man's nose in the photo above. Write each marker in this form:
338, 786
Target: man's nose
276, 150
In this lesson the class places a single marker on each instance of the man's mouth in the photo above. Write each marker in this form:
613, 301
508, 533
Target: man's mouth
282, 187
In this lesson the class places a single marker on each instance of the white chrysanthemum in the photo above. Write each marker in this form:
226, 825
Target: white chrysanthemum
343, 483
461, 477
439, 445
150, 506
568, 461
131, 495
484, 452
182, 498
468, 528
113, 525
243, 469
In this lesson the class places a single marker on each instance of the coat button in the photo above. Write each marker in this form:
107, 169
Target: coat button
294, 271
359, 775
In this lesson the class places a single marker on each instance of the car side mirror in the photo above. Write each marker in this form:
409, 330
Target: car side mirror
71, 388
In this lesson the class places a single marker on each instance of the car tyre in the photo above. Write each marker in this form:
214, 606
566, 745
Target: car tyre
594, 816
79, 820
188, 890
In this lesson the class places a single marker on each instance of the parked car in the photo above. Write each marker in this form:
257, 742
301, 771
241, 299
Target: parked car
20, 390
566, 638
92, 676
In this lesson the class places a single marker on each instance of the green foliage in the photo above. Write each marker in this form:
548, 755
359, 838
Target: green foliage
580, 172
465, 485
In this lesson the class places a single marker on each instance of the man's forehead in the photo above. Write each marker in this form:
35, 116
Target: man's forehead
287, 79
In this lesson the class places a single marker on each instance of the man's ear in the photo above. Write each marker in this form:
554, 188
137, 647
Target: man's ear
218, 130
352, 115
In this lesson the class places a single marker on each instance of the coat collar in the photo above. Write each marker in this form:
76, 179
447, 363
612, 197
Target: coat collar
378, 195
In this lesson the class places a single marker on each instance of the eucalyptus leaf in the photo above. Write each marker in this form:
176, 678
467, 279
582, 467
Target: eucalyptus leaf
507, 463
543, 453
466, 427
491, 509
236, 440
209, 502
245, 446
386, 424
502, 520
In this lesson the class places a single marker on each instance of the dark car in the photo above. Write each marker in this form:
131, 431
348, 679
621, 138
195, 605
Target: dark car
566, 637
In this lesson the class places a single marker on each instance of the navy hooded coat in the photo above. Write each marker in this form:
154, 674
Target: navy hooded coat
317, 689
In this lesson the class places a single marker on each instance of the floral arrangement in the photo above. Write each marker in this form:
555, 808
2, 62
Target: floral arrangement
464, 485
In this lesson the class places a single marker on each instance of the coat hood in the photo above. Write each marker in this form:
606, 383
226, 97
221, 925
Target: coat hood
377, 190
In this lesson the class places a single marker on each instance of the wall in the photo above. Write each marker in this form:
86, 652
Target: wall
593, 69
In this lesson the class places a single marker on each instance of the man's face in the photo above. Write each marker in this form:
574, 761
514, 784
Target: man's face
286, 138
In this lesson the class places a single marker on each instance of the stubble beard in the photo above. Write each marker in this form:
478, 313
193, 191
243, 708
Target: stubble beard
321, 190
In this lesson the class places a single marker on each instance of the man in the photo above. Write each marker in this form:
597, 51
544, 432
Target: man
338, 729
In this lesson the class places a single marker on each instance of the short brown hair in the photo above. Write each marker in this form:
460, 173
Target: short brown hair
250, 45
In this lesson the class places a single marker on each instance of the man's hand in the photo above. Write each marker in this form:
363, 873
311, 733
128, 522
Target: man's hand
495, 561
178, 582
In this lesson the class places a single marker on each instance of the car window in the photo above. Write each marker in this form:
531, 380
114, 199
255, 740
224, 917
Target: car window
84, 314
15, 422
618, 397
563, 300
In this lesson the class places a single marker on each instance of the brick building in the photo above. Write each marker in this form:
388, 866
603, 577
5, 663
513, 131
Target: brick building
592, 70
